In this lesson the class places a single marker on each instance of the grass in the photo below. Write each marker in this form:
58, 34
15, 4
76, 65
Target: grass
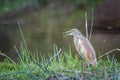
61, 66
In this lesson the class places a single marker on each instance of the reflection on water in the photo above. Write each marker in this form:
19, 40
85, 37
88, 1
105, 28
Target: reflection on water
112, 41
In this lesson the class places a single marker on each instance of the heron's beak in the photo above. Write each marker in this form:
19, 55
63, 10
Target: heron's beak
67, 33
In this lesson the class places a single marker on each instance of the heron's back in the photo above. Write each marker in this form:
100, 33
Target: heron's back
90, 54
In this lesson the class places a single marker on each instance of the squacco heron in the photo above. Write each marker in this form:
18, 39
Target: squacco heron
83, 46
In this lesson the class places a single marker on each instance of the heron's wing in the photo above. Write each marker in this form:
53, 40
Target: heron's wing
90, 52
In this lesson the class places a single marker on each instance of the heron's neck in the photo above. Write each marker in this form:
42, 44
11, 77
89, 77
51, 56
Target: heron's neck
80, 36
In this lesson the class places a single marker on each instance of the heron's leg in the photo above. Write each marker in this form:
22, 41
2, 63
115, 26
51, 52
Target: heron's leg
84, 69
88, 67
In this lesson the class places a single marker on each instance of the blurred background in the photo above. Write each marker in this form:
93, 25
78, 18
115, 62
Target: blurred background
43, 21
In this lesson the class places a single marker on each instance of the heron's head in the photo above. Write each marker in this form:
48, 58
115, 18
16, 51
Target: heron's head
72, 32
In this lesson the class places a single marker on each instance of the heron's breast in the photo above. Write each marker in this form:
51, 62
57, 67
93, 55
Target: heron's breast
80, 47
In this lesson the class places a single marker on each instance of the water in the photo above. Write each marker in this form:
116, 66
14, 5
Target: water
42, 30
